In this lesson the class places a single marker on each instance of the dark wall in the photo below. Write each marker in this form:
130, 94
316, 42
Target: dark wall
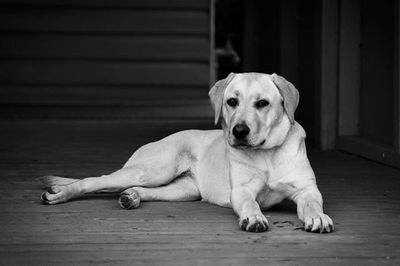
308, 48
266, 27
261, 38
377, 64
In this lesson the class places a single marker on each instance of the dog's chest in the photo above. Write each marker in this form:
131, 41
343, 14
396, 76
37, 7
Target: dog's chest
274, 193
279, 170
279, 185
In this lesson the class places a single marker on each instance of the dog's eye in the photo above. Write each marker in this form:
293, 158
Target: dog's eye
232, 102
261, 103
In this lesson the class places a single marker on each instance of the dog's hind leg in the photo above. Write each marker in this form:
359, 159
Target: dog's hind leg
51, 180
114, 182
153, 165
181, 189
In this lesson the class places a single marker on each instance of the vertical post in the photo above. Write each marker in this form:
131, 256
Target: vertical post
212, 63
396, 76
349, 68
328, 64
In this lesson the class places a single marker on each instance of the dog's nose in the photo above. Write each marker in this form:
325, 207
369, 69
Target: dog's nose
241, 131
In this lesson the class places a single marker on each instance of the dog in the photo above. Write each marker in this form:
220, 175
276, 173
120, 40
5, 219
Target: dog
257, 160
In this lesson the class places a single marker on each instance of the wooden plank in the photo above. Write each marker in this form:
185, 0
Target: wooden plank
121, 21
98, 95
349, 68
186, 244
56, 46
154, 4
183, 257
372, 150
102, 72
169, 110
107, 157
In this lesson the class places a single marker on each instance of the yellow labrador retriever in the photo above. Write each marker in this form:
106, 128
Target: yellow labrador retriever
257, 159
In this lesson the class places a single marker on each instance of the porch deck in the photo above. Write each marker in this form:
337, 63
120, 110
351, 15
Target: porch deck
362, 197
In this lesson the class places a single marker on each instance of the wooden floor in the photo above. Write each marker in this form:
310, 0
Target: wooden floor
362, 197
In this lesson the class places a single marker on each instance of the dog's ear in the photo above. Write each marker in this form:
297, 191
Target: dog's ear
289, 94
216, 94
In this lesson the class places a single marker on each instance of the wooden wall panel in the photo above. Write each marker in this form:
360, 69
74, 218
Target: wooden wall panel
149, 4
114, 21
92, 52
96, 95
93, 72
61, 46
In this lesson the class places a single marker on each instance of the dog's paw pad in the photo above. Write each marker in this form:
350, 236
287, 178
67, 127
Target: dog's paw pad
257, 223
258, 227
244, 223
319, 223
129, 200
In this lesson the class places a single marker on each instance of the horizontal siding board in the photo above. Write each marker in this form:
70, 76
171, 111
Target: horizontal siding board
83, 72
191, 110
115, 21
48, 46
99, 95
175, 4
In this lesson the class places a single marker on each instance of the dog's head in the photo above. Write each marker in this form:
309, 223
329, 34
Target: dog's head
257, 109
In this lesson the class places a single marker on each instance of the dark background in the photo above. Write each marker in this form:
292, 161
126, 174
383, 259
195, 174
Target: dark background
141, 60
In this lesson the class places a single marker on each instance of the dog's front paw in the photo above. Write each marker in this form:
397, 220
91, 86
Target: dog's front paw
318, 223
255, 223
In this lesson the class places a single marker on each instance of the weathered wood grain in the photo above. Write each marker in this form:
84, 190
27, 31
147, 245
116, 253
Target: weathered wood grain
361, 196
153, 4
82, 95
122, 21
103, 47
102, 73
146, 47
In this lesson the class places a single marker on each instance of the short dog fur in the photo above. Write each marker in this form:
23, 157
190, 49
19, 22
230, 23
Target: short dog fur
257, 159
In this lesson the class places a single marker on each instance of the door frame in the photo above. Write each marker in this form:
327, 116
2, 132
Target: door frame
348, 89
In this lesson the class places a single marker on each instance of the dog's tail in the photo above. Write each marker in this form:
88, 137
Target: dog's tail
51, 180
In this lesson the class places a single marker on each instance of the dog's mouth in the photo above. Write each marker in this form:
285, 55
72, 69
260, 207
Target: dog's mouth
246, 145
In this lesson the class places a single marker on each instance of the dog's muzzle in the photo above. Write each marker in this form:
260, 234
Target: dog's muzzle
241, 133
